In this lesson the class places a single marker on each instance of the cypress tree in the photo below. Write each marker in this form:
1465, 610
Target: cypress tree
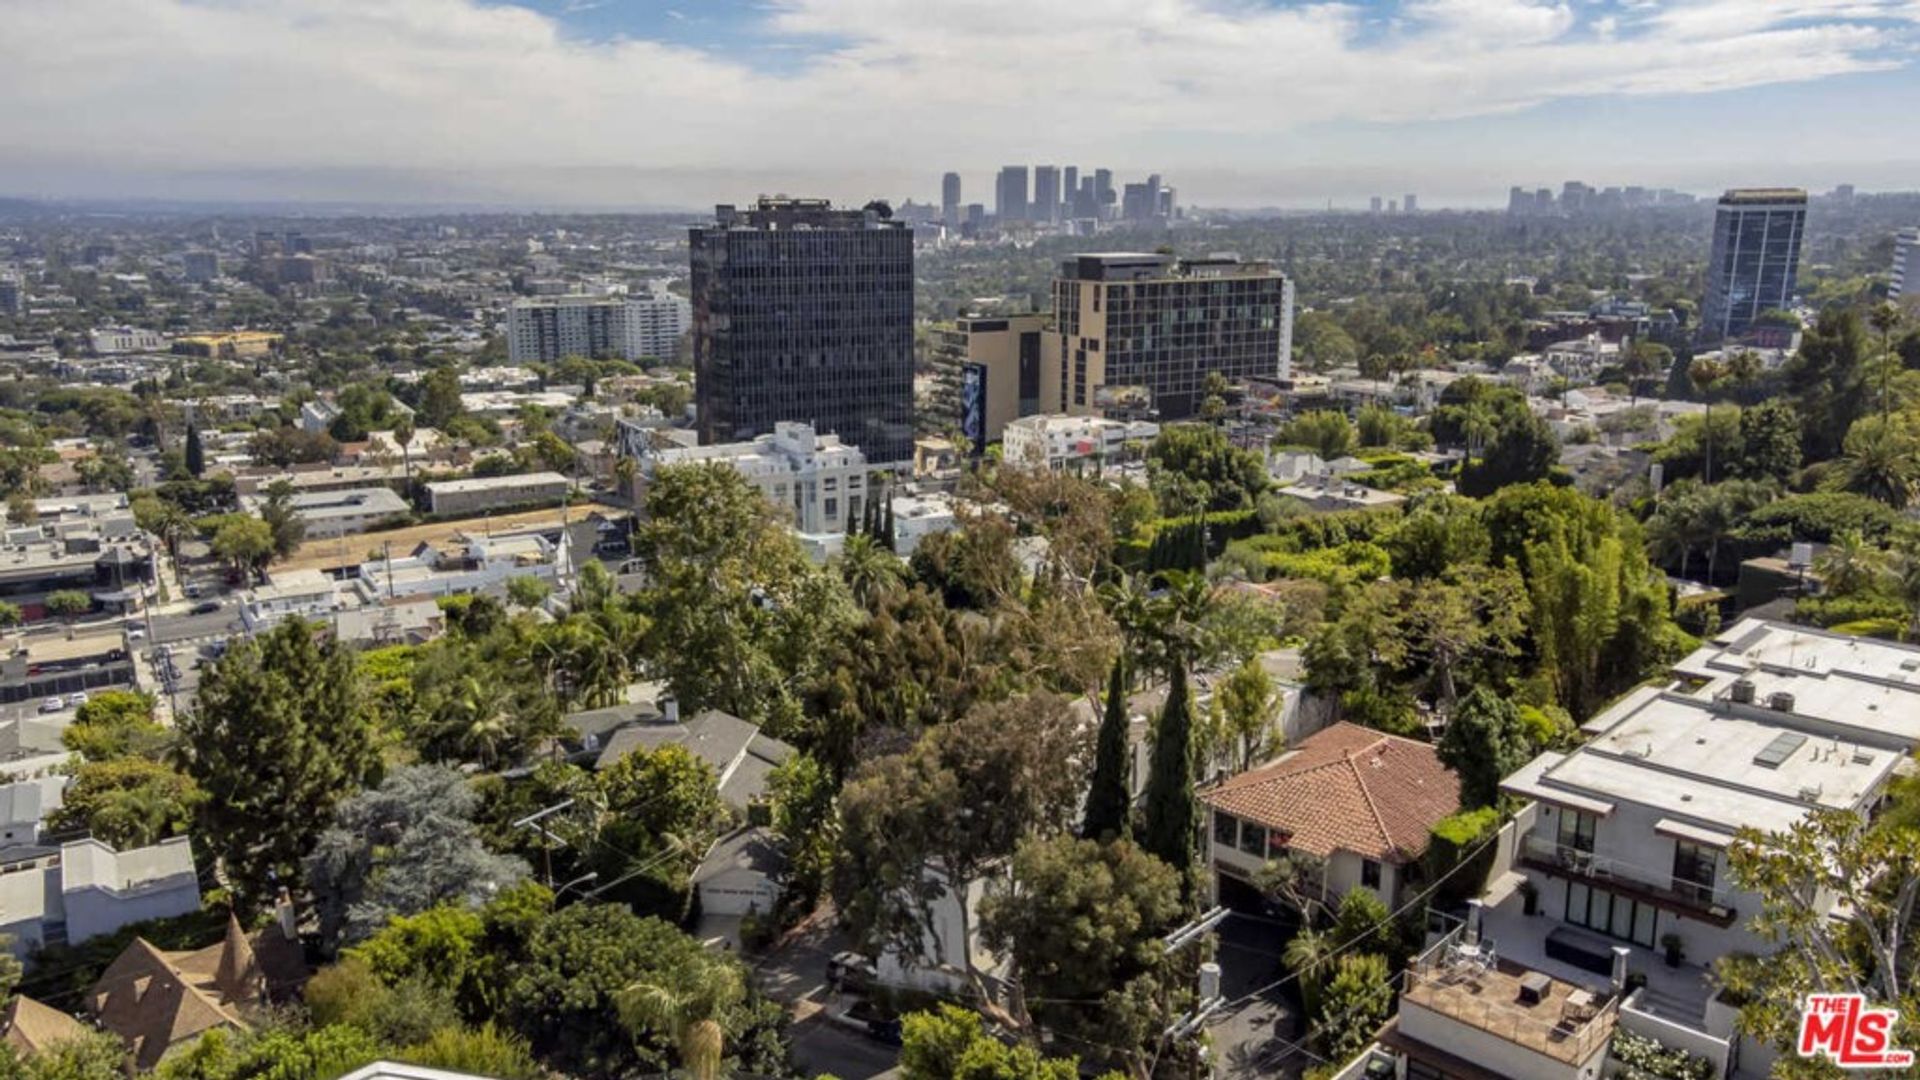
196, 453
1107, 796
886, 528
1169, 827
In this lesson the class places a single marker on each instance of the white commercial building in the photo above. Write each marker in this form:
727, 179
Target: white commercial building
464, 498
1060, 441
819, 479
1906, 264
599, 327
125, 339
306, 593
328, 514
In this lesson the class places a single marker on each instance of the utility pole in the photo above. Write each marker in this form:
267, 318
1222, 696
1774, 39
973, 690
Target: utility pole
532, 821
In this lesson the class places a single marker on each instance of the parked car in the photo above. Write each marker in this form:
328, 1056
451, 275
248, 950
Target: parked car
52, 704
74, 701
136, 633
851, 972
206, 607
192, 591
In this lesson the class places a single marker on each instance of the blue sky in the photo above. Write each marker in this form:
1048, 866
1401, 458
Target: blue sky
1237, 102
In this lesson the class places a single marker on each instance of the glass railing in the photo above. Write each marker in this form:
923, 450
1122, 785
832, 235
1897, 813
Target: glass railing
1603, 869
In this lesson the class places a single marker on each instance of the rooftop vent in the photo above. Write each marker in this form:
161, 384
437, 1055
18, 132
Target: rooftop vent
1861, 757
1780, 749
1743, 691
1780, 701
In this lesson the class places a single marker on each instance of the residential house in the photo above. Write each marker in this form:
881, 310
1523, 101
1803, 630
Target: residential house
89, 889
158, 1001
741, 874
740, 754
303, 593
30, 1027
1361, 802
25, 806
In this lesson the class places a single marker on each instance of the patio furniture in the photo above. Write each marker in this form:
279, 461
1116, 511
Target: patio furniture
1534, 988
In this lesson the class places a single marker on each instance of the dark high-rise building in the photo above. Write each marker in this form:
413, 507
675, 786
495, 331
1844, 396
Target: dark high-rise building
1086, 202
1103, 193
1046, 193
1010, 194
804, 312
1069, 189
1755, 262
950, 199
1136, 202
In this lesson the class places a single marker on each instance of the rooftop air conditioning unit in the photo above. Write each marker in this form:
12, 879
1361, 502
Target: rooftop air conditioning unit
1780, 701
1743, 691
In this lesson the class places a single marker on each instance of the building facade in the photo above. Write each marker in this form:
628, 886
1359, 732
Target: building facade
1010, 194
1143, 331
1046, 193
598, 327
818, 479
463, 498
987, 374
1059, 442
1906, 264
1756, 258
804, 313
950, 199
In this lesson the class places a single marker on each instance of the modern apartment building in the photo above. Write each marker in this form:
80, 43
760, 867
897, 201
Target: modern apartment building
598, 327
987, 374
804, 313
817, 478
13, 296
1134, 331
1906, 264
1010, 194
1755, 261
1060, 442
463, 498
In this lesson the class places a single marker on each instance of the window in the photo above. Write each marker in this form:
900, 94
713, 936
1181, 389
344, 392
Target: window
1615, 916
1253, 839
1576, 830
1226, 829
1370, 874
833, 509
1694, 866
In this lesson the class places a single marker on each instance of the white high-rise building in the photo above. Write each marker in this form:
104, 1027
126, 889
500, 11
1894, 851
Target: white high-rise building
1906, 264
820, 480
598, 327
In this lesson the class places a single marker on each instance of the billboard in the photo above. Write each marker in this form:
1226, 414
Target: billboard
973, 406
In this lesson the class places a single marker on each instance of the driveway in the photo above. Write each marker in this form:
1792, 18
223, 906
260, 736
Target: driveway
1252, 1038
794, 973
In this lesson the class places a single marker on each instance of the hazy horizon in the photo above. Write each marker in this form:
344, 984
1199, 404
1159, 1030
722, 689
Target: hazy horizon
625, 104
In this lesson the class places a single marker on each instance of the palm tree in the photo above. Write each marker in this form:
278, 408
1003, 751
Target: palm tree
1880, 462
473, 723
1128, 604
1850, 564
403, 434
1179, 613
1704, 373
870, 570
1479, 425
1310, 956
687, 1016
1904, 569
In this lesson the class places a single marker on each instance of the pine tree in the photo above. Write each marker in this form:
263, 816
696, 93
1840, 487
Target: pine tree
1169, 831
1107, 797
196, 452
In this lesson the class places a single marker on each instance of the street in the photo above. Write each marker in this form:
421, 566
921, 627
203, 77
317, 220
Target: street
1251, 1039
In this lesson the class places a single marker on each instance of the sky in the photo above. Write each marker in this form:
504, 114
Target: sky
642, 104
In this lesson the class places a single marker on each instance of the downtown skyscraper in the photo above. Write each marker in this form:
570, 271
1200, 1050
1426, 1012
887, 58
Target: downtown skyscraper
1755, 263
804, 312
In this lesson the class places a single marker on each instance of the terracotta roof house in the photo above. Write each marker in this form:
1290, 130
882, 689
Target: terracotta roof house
1361, 800
30, 1027
157, 1000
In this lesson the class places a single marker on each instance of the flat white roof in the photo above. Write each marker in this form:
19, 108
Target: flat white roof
489, 483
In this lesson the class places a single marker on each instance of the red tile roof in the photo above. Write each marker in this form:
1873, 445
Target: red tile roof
1347, 788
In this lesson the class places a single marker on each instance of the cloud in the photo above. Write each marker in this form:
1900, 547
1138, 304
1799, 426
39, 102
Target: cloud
424, 85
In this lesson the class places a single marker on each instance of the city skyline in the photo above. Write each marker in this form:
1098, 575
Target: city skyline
639, 105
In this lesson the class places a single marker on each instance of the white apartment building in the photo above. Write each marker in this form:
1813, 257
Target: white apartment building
306, 593
602, 327
125, 339
89, 889
1621, 849
1906, 264
1060, 441
820, 480
465, 564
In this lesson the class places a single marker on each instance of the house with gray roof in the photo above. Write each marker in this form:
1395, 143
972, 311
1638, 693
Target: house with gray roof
740, 754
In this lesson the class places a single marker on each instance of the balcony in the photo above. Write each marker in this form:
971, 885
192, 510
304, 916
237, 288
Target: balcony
1712, 905
1555, 1018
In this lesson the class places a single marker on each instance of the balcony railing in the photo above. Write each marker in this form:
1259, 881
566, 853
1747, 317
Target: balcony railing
1564, 1022
1711, 903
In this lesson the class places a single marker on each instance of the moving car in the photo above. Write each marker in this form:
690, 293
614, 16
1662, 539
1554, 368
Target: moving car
206, 607
52, 704
74, 701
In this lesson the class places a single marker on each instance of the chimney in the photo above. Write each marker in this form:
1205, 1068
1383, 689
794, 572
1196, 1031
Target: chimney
670, 709
284, 914
1619, 980
1471, 935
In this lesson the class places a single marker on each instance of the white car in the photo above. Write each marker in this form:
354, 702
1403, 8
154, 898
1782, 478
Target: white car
52, 704
74, 701
136, 633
